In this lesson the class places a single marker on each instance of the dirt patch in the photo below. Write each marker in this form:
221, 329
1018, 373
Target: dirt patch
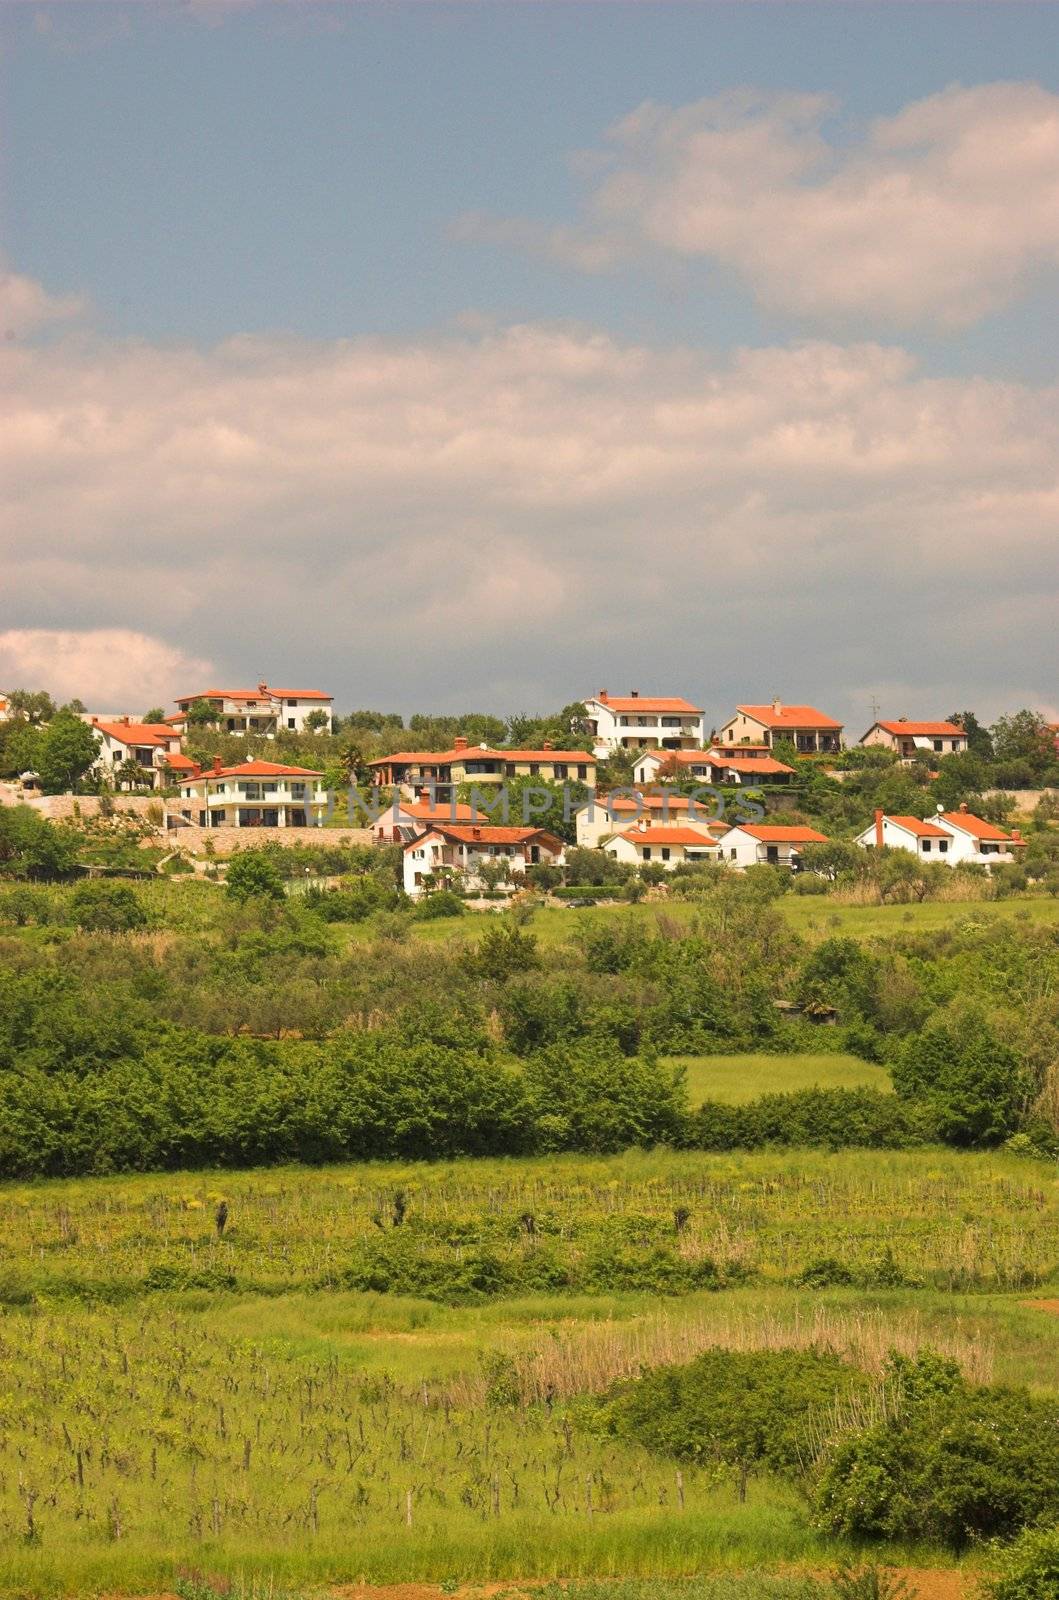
928, 1583
1051, 1306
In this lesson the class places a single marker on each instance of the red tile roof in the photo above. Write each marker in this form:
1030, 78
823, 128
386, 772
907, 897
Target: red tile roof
180, 763
267, 692
647, 703
652, 835
923, 730
301, 694
751, 764
485, 835
260, 769
443, 811
153, 733
922, 830
775, 833
977, 827
479, 752
790, 717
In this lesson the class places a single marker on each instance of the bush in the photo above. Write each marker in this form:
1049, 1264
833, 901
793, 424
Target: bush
952, 1464
972, 1082
253, 875
833, 1118
589, 1096
1029, 1569
99, 906
442, 903
742, 1407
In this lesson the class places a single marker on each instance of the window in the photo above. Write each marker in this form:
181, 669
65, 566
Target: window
292, 703
291, 722
666, 852
560, 769
646, 852
939, 744
534, 769
943, 845
582, 773
926, 847
297, 791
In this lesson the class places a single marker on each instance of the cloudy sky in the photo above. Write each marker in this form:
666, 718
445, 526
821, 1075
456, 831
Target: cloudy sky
453, 356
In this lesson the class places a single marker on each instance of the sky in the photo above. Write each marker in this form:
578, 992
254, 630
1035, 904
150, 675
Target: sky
454, 357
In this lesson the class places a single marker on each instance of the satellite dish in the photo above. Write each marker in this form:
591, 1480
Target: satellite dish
939, 808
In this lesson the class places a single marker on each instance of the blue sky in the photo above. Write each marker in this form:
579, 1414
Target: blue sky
379, 195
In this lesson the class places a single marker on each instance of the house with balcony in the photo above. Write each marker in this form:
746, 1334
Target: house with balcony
667, 846
643, 722
731, 764
917, 741
264, 711
455, 853
752, 844
403, 819
152, 747
254, 794
810, 731
440, 773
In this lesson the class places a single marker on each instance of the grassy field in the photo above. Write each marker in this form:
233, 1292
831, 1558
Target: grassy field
268, 1420
734, 1080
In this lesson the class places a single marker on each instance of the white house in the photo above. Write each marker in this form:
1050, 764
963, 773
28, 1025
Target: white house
810, 731
254, 794
949, 836
605, 815
263, 710
668, 846
751, 844
154, 747
458, 851
917, 740
643, 722
926, 840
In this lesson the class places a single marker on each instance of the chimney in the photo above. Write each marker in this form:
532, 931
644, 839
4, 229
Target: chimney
879, 830
216, 766
124, 721
634, 694
602, 695
459, 743
548, 745
902, 719
262, 688
476, 832
963, 806
777, 706
1016, 833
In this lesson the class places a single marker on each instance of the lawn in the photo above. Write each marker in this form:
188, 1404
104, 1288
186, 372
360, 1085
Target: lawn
735, 1079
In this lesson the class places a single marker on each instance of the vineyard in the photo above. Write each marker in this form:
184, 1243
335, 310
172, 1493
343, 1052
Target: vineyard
224, 1397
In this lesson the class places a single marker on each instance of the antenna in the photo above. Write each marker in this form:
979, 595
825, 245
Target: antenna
874, 709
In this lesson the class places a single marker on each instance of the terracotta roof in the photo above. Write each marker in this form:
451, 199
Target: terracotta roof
922, 830
750, 763
180, 763
443, 811
639, 702
135, 732
479, 752
468, 834
789, 717
682, 758
656, 835
924, 730
977, 827
649, 802
301, 694
260, 769
265, 692
771, 833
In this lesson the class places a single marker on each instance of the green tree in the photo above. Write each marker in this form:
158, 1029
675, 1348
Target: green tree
200, 714
316, 721
155, 714
973, 1082
35, 705
1023, 736
68, 749
253, 875
99, 906
33, 847
979, 741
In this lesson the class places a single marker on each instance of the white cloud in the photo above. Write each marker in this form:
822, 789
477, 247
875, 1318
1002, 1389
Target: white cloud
110, 669
941, 213
25, 306
420, 521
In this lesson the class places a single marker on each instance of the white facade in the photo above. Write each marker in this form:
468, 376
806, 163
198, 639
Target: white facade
811, 732
458, 853
255, 794
667, 847
757, 844
264, 711
598, 819
643, 722
154, 747
923, 839
915, 740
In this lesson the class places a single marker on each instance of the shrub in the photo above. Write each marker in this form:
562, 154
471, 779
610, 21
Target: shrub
252, 874
833, 1118
1029, 1568
442, 903
589, 1096
952, 1463
742, 1407
972, 1081
99, 906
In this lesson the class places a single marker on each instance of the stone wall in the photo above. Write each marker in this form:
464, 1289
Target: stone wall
226, 841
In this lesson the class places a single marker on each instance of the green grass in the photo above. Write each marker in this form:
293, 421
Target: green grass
733, 1080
